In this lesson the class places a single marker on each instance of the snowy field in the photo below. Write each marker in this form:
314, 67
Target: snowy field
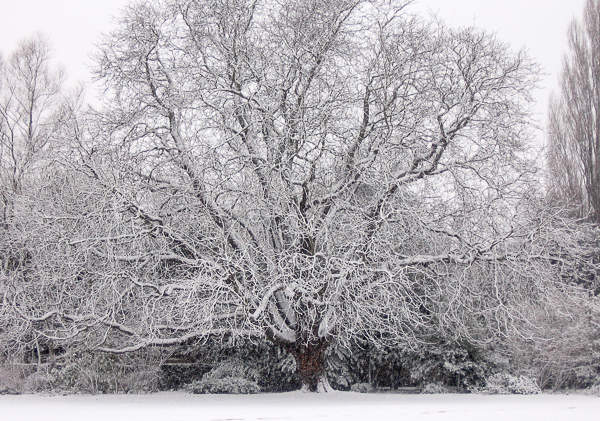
176, 406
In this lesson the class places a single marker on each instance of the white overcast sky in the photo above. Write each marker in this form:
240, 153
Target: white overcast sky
73, 27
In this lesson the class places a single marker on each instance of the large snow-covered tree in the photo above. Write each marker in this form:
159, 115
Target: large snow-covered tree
302, 171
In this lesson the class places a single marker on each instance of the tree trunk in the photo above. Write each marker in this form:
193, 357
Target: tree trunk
310, 364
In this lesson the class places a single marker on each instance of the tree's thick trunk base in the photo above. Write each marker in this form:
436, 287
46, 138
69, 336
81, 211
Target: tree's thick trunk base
310, 365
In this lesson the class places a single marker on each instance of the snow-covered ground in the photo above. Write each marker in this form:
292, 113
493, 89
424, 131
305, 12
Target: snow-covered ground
175, 406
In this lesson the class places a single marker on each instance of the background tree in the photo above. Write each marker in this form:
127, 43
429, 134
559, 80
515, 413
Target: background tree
30, 100
29, 95
301, 171
574, 120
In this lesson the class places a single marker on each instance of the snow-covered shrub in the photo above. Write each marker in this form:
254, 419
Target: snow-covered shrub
39, 381
231, 376
11, 380
140, 381
361, 388
567, 355
595, 390
92, 372
89, 373
507, 384
226, 385
432, 388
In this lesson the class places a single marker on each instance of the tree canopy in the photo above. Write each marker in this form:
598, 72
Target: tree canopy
302, 171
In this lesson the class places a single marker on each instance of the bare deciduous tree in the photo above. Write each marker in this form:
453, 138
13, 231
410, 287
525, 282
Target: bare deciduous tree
29, 91
574, 119
304, 171
30, 98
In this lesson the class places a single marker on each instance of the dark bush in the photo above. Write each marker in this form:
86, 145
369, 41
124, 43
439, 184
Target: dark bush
176, 375
275, 367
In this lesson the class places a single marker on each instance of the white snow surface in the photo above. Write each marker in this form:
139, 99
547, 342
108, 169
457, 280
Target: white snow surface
177, 406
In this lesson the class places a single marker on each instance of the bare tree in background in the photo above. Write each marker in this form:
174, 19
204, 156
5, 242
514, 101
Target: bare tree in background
301, 171
30, 102
574, 119
29, 95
